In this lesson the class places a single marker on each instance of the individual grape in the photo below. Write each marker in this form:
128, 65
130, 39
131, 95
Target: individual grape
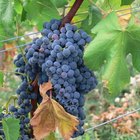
76, 95
65, 68
76, 36
70, 73
60, 56
64, 75
57, 48
72, 48
81, 113
56, 32
50, 35
12, 108
57, 86
63, 35
59, 71
84, 35
66, 52
55, 37
45, 32
47, 25
61, 81
73, 65
62, 41
45, 40
63, 30
67, 95
88, 39
53, 53
68, 26
39, 42
81, 42
52, 69
57, 64
49, 63
69, 34
54, 26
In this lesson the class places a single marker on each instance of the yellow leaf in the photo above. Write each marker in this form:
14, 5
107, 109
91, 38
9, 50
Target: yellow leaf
66, 122
51, 115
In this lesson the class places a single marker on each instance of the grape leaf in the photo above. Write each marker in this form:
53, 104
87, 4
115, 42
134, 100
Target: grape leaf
110, 4
11, 128
51, 136
92, 19
1, 78
18, 7
59, 3
109, 49
1, 110
39, 11
126, 2
44, 88
51, 115
6, 11
82, 12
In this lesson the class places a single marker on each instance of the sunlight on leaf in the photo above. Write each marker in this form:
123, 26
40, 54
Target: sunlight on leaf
6, 11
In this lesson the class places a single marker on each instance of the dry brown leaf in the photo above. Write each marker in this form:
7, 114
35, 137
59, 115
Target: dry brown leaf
43, 121
44, 88
51, 115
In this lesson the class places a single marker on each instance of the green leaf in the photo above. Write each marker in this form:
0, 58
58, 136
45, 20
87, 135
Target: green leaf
24, 15
82, 12
109, 50
59, 3
51, 136
110, 4
11, 128
1, 110
6, 11
133, 39
18, 6
1, 79
40, 11
126, 2
94, 16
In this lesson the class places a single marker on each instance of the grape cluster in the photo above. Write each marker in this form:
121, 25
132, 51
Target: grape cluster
57, 56
65, 67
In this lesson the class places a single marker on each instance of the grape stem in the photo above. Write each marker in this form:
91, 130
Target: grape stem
34, 101
13, 97
71, 13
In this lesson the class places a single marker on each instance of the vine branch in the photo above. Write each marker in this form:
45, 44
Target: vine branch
72, 12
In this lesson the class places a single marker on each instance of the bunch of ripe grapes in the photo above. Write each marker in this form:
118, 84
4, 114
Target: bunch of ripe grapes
57, 57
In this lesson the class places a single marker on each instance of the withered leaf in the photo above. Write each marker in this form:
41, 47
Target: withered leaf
44, 88
51, 115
